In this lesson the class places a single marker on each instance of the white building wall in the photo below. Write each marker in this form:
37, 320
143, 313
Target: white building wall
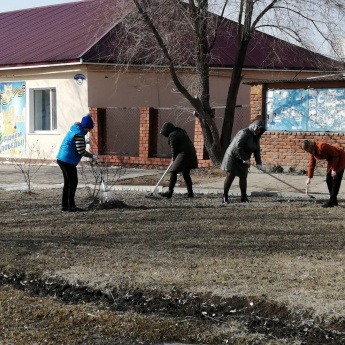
104, 87
149, 89
134, 88
71, 101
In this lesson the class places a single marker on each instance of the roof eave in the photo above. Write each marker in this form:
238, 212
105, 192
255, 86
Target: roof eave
212, 67
80, 61
325, 78
43, 64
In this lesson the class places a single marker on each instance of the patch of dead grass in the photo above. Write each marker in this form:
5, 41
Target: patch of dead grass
290, 253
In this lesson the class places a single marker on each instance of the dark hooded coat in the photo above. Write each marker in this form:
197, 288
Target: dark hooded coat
182, 149
245, 143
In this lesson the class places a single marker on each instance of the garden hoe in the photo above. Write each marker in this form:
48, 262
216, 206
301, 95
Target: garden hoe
160, 180
298, 190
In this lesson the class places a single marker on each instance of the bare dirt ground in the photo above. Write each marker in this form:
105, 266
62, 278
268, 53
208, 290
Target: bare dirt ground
150, 270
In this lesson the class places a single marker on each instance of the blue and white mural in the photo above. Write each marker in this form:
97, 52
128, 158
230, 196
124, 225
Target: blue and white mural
316, 110
12, 117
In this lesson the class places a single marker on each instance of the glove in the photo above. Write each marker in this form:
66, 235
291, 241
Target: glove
247, 162
260, 167
94, 158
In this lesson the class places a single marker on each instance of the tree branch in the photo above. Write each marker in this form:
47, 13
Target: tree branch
263, 12
218, 24
194, 101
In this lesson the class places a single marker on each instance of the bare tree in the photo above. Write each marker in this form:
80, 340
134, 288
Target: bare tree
176, 34
94, 172
30, 163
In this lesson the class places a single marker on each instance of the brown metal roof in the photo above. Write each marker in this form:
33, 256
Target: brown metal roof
268, 52
51, 33
85, 29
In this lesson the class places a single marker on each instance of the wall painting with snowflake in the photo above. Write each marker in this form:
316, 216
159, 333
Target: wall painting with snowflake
314, 110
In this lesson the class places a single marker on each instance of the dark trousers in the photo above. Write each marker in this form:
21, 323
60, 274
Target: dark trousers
228, 182
70, 177
186, 177
333, 185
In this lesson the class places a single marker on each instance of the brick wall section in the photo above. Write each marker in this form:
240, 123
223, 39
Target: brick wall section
283, 148
256, 102
95, 133
199, 145
198, 140
144, 134
141, 161
146, 140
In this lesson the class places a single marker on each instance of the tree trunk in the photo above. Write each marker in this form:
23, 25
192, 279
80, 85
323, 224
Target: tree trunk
211, 137
229, 113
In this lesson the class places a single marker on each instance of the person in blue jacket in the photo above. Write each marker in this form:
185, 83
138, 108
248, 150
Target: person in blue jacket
72, 149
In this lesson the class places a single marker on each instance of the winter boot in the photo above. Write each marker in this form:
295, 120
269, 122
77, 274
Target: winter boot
330, 204
167, 194
75, 209
190, 193
244, 198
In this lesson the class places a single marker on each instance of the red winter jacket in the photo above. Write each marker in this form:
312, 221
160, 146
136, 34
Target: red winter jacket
334, 155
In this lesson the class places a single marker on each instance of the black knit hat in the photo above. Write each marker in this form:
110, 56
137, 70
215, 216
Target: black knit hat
167, 128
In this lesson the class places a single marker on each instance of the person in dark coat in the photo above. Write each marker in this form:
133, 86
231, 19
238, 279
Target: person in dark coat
183, 156
72, 149
335, 157
236, 160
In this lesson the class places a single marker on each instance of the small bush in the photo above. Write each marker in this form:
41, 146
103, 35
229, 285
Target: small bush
302, 172
277, 169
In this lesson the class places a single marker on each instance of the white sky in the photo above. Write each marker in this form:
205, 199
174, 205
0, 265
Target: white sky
7, 6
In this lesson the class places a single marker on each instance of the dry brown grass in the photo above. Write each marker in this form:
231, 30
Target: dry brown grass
288, 253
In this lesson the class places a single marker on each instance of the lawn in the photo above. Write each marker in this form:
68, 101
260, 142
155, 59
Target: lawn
153, 270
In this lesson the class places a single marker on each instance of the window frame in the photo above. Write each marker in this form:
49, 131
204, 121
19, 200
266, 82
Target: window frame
52, 110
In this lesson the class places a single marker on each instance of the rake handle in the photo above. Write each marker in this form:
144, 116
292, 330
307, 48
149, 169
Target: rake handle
288, 184
160, 180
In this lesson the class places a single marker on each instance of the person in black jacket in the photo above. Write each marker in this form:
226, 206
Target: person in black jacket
183, 156
236, 160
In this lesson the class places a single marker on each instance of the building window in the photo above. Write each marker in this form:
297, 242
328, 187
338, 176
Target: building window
43, 110
315, 110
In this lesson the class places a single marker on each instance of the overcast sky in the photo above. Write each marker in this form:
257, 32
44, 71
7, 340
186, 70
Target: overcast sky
7, 6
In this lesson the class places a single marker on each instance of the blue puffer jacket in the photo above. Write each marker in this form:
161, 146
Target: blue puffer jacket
68, 152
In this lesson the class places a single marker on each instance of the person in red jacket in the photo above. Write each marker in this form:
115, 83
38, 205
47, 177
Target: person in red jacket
335, 166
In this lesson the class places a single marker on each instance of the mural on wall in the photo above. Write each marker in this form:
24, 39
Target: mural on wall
316, 110
12, 117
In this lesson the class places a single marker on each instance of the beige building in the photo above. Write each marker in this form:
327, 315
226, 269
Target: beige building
50, 77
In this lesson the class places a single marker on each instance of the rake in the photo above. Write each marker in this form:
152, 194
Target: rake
160, 180
288, 184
